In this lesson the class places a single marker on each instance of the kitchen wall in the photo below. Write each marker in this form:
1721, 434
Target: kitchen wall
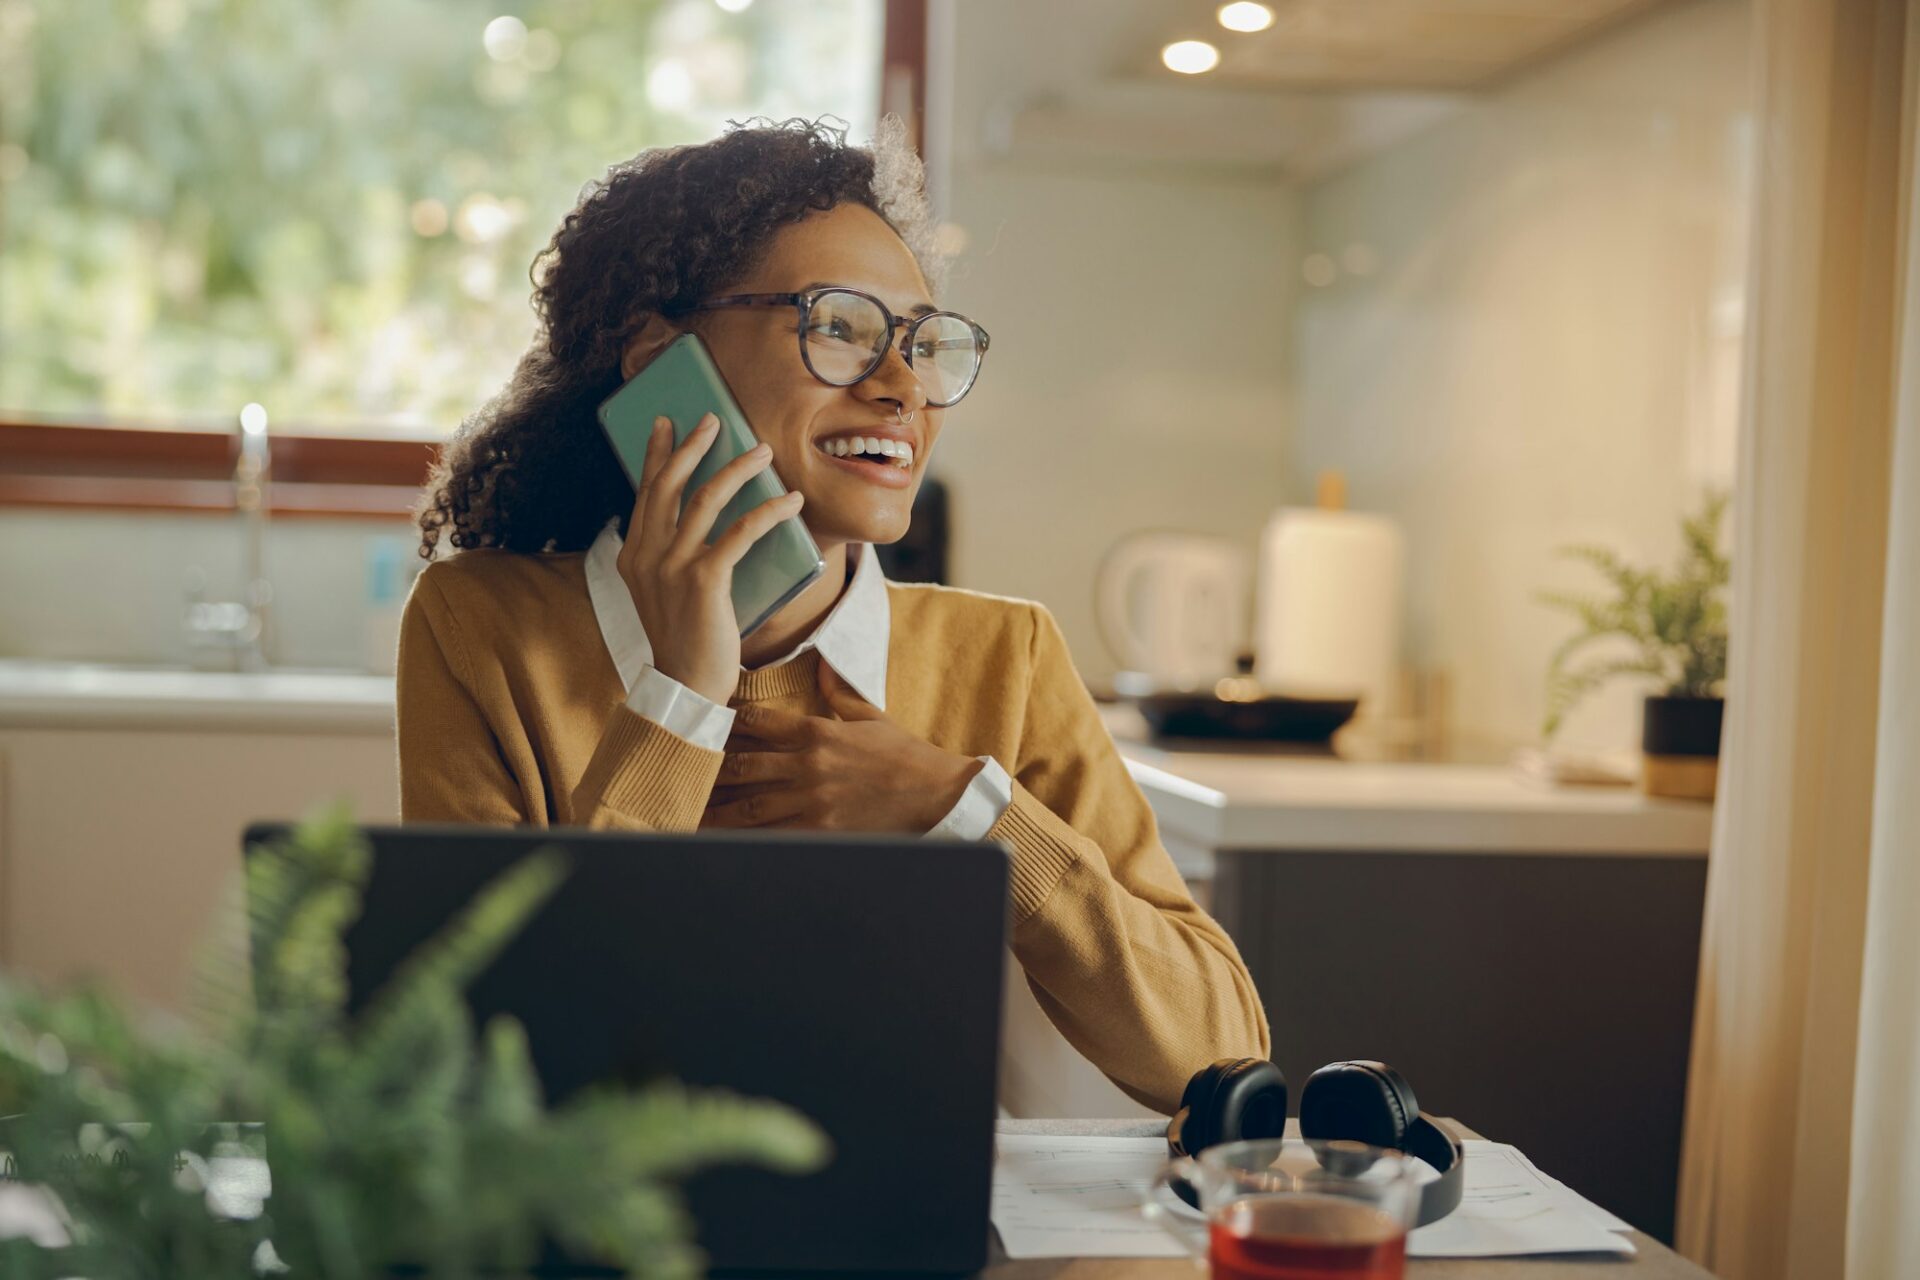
1529, 336
1137, 377
109, 587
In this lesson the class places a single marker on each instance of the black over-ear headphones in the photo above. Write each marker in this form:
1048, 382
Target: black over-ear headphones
1368, 1102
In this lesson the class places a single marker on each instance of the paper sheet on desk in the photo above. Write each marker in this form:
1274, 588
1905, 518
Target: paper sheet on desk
1510, 1208
1077, 1197
1059, 1197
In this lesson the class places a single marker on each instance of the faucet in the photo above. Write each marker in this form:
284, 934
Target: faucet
239, 628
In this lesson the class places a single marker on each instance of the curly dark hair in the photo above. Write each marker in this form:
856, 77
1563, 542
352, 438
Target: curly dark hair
530, 470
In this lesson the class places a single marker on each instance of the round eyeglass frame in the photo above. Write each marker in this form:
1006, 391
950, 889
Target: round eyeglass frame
802, 303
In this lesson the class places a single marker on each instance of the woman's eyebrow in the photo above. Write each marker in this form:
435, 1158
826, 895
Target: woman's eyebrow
917, 309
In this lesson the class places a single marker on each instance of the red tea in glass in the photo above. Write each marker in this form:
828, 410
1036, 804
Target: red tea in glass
1299, 1236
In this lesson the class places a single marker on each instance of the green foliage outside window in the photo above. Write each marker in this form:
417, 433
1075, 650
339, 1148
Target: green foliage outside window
330, 206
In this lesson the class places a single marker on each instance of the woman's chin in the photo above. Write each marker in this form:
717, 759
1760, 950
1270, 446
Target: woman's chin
838, 512
870, 522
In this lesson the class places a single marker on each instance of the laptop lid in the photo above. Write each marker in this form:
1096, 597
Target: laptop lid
856, 978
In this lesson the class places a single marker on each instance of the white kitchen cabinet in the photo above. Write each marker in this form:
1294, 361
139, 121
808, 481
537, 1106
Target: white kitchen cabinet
120, 844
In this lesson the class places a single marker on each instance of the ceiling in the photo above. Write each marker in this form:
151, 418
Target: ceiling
1331, 81
1397, 44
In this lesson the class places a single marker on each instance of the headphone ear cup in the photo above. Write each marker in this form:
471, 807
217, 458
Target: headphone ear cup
1196, 1105
1201, 1086
1360, 1101
1249, 1101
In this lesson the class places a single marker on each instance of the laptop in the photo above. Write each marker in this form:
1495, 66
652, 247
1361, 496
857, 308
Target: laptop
856, 978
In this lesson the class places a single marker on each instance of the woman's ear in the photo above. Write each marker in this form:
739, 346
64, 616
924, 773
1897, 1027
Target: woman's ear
649, 342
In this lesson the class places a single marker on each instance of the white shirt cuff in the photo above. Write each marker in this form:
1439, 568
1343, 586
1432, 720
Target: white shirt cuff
981, 804
680, 711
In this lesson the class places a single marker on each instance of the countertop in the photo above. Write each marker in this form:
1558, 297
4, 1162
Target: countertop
85, 695
1217, 801
1205, 801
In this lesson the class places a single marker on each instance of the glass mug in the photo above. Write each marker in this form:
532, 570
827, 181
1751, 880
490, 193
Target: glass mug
1288, 1209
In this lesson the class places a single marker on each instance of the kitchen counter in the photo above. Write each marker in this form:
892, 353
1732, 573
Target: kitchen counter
1205, 801
1240, 797
1220, 801
75, 695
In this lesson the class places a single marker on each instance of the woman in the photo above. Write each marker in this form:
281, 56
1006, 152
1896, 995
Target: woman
579, 662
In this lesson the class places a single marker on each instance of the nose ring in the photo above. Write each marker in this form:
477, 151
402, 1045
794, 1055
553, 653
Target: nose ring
904, 420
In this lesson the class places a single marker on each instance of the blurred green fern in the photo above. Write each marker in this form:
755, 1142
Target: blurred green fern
1676, 625
392, 1138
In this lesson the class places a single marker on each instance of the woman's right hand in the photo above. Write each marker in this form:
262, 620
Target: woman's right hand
683, 588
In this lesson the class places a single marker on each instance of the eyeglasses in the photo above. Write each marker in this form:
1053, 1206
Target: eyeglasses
844, 336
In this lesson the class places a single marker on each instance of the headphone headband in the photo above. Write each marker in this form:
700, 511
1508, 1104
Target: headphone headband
1443, 1151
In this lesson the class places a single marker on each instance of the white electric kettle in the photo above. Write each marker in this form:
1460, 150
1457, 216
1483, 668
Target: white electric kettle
1172, 606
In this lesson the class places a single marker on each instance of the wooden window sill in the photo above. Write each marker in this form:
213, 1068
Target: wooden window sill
98, 468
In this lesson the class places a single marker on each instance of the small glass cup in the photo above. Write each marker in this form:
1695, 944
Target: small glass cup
1288, 1209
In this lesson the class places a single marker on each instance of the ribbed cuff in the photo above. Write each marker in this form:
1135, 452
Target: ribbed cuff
1042, 850
643, 775
678, 709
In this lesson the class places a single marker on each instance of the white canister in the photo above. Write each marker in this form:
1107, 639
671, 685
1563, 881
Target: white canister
1327, 608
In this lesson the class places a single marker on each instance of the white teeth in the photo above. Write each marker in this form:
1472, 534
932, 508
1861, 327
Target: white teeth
847, 446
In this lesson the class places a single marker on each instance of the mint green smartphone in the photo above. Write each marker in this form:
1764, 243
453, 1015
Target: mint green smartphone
684, 385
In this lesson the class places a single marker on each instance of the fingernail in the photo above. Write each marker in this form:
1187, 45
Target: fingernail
792, 497
661, 424
709, 422
761, 450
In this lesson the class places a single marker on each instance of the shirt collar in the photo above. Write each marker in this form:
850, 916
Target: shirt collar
852, 638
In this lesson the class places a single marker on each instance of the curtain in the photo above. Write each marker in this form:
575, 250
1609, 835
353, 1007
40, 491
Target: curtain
1801, 1155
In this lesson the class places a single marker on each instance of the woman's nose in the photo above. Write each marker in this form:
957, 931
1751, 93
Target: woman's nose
895, 383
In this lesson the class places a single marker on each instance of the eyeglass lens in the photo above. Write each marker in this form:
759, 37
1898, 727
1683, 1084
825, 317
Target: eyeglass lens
847, 336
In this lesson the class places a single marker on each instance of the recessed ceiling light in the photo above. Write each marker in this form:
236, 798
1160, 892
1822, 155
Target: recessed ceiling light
1245, 16
1190, 57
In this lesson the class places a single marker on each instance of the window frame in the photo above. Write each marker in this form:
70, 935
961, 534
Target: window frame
124, 467
96, 464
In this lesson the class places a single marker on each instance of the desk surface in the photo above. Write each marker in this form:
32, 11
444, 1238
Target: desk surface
1653, 1261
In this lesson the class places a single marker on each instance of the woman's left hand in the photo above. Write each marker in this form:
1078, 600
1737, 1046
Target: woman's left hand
858, 772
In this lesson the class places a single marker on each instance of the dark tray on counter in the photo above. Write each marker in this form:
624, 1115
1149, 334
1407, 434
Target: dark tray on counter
1270, 718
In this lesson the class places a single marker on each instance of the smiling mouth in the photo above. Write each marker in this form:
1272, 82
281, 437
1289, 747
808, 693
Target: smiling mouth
870, 449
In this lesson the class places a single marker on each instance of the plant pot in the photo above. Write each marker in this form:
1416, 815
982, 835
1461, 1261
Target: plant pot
1680, 739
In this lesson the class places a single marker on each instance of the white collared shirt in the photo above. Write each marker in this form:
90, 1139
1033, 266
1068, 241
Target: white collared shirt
852, 639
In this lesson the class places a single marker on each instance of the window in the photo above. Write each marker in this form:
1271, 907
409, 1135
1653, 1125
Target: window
329, 206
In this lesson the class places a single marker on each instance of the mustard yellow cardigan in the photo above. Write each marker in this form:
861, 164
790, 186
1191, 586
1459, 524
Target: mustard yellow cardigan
511, 712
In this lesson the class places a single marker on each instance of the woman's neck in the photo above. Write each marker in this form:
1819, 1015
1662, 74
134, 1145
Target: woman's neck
803, 613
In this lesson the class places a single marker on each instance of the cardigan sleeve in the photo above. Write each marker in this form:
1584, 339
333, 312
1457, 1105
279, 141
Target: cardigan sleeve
457, 765
1137, 978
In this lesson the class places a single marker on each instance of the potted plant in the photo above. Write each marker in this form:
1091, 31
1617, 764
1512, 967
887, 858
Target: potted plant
391, 1139
1675, 629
